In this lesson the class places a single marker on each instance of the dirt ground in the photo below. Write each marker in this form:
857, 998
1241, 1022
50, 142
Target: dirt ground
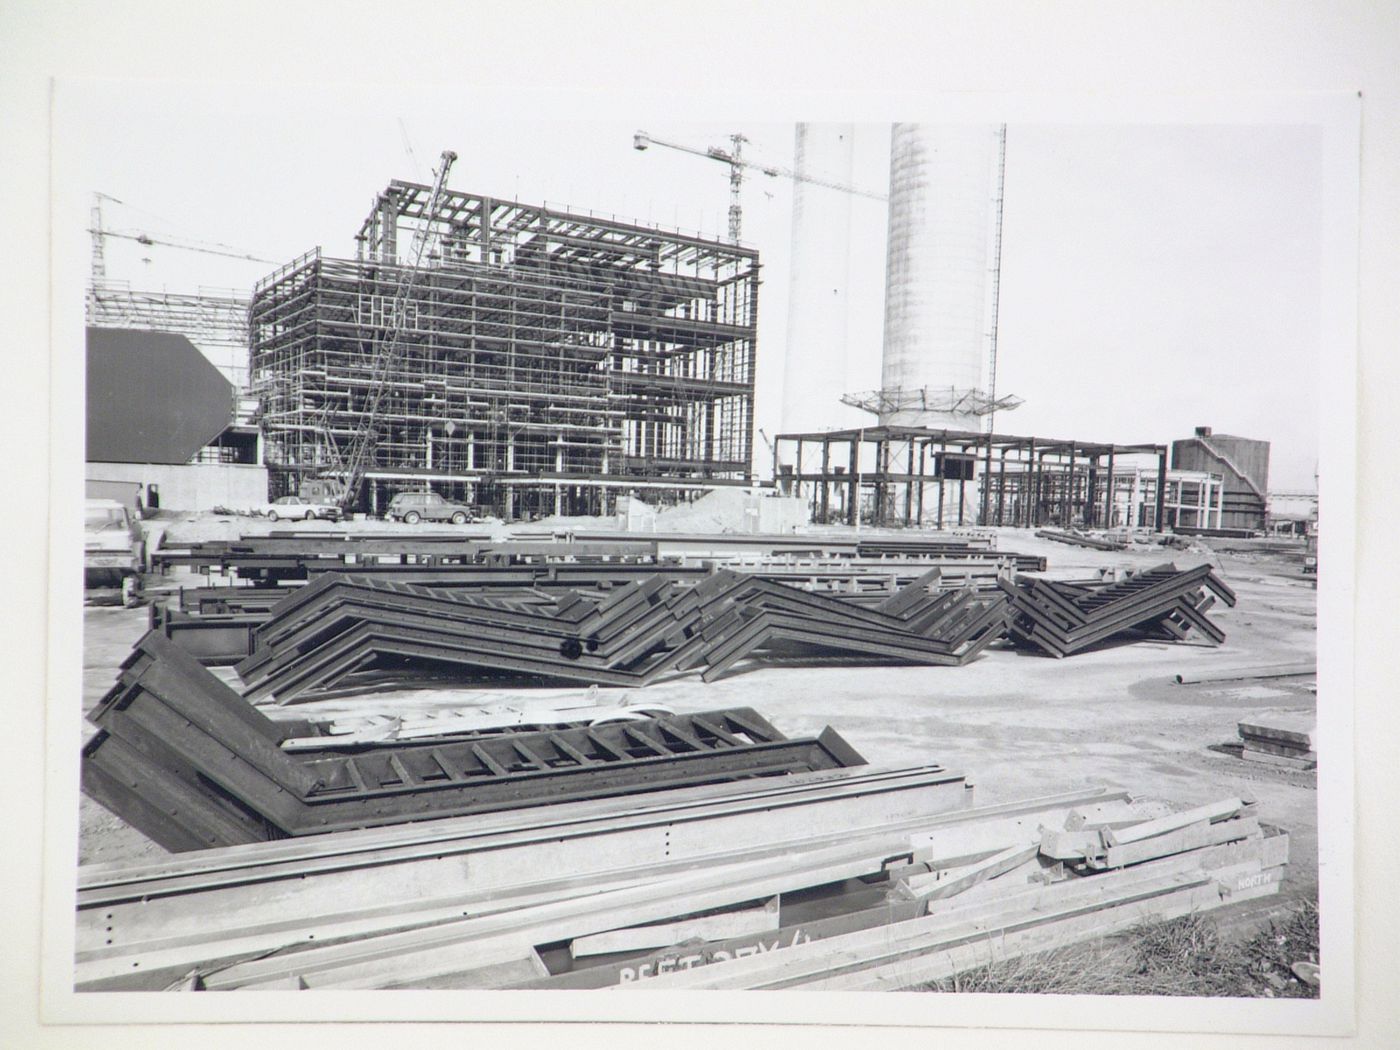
1016, 725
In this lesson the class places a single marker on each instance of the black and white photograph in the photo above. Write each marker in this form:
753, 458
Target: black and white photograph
558, 558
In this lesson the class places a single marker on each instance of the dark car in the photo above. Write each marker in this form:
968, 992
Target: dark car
413, 507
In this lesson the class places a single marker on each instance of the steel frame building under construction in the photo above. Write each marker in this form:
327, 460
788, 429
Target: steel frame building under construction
544, 360
909, 475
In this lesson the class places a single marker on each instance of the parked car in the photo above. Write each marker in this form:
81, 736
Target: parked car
297, 508
114, 548
413, 507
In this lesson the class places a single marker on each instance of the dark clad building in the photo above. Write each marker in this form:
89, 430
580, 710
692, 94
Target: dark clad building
1243, 463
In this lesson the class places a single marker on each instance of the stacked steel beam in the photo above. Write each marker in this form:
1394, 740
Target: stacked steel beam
186, 760
1064, 618
321, 636
918, 624
339, 625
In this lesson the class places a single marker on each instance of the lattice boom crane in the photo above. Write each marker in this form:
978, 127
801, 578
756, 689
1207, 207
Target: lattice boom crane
353, 463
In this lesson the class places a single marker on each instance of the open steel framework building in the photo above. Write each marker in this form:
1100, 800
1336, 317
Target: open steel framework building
907, 475
544, 361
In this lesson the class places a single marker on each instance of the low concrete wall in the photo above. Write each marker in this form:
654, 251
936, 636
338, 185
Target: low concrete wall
191, 486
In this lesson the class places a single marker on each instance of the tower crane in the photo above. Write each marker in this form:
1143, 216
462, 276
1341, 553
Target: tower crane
192, 246
734, 157
101, 232
351, 468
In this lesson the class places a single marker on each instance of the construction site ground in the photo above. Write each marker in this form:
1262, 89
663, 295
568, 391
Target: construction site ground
1018, 725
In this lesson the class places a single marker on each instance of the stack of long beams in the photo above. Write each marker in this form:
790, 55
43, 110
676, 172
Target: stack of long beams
736, 890
317, 639
331, 628
187, 761
741, 615
597, 556
1065, 618
142, 925
1280, 739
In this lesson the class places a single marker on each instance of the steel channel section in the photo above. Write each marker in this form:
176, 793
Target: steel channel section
159, 804
1063, 624
204, 744
540, 787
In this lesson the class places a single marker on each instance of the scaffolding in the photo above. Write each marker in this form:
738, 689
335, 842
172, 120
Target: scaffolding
213, 319
546, 361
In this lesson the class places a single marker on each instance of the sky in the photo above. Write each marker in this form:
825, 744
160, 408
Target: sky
1155, 277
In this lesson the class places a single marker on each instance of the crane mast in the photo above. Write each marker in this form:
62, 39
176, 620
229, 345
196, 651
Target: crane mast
353, 464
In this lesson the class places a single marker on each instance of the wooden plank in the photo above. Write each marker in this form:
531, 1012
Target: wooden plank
508, 974
906, 940
988, 834
263, 907
1214, 869
1300, 729
686, 957
723, 925
939, 963
1191, 837
1282, 761
1273, 747
1213, 812
101, 884
937, 885
453, 947
899, 956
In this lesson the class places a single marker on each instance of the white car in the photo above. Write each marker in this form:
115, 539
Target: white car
114, 548
296, 508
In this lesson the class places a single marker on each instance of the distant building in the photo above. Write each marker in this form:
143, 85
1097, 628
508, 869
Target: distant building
160, 426
1293, 513
1242, 463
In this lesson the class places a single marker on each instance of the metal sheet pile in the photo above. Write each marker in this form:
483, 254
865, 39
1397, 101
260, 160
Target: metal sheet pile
1062, 618
187, 761
321, 636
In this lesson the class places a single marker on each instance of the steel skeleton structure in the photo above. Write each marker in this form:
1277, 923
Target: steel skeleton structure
909, 475
547, 359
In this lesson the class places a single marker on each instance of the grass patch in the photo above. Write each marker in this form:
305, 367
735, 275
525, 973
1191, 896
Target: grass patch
1183, 956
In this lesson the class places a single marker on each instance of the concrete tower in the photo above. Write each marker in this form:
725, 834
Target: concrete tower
944, 184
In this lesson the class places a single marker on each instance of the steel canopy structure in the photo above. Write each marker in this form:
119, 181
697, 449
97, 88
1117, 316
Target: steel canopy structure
889, 475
